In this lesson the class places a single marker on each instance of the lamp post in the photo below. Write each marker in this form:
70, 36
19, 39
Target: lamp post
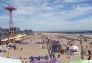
81, 44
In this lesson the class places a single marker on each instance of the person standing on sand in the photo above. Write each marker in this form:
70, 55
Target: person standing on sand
90, 44
21, 49
67, 50
14, 47
62, 51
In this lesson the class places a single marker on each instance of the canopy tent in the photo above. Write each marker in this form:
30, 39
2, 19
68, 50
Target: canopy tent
6, 39
17, 37
9, 60
74, 48
20, 35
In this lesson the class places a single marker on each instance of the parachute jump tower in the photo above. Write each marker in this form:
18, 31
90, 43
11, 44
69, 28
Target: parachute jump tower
11, 27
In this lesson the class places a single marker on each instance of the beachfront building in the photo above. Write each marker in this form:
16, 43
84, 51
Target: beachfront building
28, 32
5, 31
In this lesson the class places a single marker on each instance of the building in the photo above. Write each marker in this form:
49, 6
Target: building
28, 32
16, 30
5, 31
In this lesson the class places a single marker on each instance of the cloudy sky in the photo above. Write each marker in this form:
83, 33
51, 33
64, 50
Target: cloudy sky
48, 15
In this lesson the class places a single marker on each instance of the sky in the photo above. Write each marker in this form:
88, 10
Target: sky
48, 15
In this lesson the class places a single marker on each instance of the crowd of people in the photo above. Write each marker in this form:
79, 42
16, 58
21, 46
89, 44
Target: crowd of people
64, 50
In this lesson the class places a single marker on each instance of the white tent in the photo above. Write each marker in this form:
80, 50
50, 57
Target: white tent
74, 48
9, 60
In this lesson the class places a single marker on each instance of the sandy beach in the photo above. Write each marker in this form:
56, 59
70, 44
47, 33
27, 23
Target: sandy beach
30, 47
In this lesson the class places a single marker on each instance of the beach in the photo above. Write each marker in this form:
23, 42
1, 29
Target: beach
33, 46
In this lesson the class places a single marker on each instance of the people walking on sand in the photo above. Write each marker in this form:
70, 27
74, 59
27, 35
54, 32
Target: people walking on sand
62, 51
89, 54
84, 52
58, 55
21, 49
67, 50
17, 47
14, 47
90, 44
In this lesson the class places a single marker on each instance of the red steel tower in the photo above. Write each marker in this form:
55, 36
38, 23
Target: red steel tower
11, 27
